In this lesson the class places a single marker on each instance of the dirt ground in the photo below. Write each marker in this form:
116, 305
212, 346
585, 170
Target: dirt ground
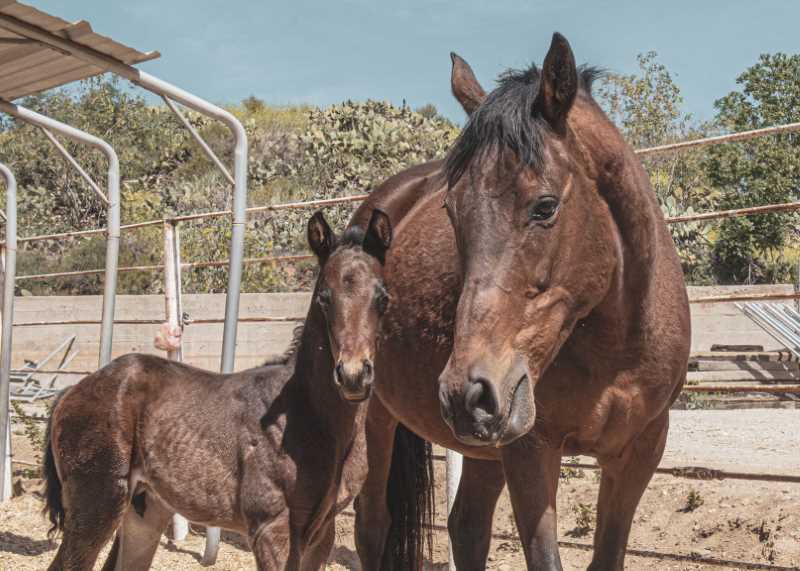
730, 524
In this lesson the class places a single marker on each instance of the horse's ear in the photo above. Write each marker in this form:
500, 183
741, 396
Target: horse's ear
464, 85
559, 84
320, 237
379, 235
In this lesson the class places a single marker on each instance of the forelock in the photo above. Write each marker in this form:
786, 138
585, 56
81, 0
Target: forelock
506, 120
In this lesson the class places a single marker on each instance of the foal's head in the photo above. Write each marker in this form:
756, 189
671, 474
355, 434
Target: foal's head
352, 297
534, 236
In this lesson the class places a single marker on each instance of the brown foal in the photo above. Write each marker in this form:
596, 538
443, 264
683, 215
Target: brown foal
273, 452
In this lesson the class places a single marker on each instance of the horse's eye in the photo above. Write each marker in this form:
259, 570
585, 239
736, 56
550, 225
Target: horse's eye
544, 208
324, 297
382, 302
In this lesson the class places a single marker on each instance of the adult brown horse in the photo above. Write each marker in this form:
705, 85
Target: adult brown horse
549, 318
274, 452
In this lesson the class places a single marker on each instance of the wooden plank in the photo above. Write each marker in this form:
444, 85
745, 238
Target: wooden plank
10, 55
22, 65
76, 74
738, 348
758, 356
723, 388
721, 365
741, 375
4, 41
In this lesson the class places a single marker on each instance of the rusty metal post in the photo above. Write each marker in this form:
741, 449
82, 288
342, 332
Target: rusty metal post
172, 299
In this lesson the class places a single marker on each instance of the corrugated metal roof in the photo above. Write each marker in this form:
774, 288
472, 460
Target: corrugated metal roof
28, 67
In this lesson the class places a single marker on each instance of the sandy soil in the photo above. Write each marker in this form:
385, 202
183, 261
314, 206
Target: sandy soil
733, 521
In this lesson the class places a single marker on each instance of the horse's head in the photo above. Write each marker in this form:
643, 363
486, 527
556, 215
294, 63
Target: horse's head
351, 295
534, 237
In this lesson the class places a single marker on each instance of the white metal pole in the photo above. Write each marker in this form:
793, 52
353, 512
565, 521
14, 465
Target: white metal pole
454, 464
113, 222
8, 270
172, 260
236, 257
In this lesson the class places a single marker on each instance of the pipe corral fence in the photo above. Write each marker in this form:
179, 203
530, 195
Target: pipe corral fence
94, 62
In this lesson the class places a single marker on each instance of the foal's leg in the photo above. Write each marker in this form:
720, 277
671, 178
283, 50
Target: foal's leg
470, 522
94, 505
317, 554
531, 469
624, 480
138, 537
372, 512
273, 546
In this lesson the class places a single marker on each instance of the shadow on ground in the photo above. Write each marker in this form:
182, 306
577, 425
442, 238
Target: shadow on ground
21, 545
349, 559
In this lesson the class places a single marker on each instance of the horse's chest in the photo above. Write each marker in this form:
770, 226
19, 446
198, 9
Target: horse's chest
592, 414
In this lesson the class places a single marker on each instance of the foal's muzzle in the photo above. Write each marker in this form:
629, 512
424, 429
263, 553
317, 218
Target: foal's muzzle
354, 379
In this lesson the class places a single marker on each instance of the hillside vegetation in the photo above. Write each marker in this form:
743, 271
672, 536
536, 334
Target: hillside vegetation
303, 153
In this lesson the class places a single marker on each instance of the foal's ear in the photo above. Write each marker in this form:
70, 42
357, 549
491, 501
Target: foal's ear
464, 85
320, 237
379, 235
559, 84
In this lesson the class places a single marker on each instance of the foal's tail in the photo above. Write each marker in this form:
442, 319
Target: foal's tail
410, 498
53, 506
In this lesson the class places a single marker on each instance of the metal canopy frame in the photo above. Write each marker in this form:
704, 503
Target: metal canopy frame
28, 66
98, 55
21, 24
112, 201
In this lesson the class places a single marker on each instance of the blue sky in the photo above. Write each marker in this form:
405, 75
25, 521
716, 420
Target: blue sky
325, 51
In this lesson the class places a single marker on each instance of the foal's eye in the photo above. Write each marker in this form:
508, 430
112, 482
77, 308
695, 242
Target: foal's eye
544, 208
324, 297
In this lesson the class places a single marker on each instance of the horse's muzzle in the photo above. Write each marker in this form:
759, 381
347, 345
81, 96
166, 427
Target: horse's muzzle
479, 416
354, 379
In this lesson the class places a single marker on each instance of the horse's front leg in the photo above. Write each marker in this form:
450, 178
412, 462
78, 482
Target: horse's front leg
532, 469
372, 512
470, 522
624, 480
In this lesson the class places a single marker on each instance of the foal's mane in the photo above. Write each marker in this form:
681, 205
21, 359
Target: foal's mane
291, 351
506, 119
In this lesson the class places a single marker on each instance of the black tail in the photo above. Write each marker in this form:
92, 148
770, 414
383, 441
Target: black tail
53, 506
410, 498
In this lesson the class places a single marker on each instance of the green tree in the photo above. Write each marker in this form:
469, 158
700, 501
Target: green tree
296, 153
646, 107
760, 171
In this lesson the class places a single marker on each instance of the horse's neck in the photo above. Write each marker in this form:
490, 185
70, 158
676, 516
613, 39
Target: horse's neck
400, 194
314, 375
625, 186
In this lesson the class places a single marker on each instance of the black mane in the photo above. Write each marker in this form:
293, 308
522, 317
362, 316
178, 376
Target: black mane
506, 119
353, 237
291, 352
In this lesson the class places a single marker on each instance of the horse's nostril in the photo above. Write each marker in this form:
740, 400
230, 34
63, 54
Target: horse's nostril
367, 368
338, 375
444, 404
480, 400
